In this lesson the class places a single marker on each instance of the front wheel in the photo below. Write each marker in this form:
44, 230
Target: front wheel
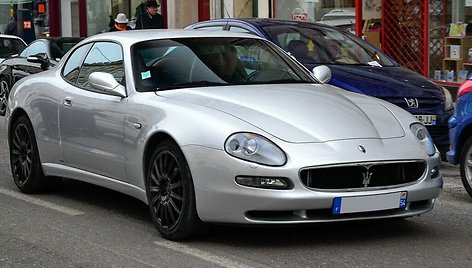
466, 166
170, 193
24, 157
4, 93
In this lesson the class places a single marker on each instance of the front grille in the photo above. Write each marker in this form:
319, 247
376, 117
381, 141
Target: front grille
423, 103
362, 175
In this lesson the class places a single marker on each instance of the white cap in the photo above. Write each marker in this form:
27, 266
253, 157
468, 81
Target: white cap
121, 18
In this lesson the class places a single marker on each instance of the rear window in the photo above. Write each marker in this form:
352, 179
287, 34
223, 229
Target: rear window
10, 46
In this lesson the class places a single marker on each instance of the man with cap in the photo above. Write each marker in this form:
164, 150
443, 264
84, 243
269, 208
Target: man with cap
150, 19
121, 23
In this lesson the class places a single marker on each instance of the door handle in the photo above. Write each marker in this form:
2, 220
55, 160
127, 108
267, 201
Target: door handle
67, 101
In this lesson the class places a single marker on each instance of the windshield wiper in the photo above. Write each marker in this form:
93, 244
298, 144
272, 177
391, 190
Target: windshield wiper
284, 81
191, 84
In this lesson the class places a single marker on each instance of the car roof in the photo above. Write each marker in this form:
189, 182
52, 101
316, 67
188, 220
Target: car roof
144, 35
262, 22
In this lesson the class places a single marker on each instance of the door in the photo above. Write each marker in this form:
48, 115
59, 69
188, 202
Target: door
91, 121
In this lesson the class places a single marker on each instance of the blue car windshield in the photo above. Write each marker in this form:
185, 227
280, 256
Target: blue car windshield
196, 62
323, 45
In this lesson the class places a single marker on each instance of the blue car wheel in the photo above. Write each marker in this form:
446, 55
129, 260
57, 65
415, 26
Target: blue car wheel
466, 166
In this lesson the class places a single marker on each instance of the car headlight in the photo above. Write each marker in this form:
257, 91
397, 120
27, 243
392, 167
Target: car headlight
448, 102
255, 148
421, 133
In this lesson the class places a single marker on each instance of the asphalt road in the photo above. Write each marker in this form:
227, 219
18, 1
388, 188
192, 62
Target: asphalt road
82, 225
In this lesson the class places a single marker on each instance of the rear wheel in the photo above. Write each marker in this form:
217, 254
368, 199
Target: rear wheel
170, 193
4, 93
24, 157
466, 166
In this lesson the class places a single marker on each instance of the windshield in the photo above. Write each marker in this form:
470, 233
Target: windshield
323, 45
192, 62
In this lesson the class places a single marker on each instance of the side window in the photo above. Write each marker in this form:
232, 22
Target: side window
237, 29
103, 57
72, 67
35, 48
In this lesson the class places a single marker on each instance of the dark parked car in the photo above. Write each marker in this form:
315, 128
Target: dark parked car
10, 45
460, 134
356, 66
36, 57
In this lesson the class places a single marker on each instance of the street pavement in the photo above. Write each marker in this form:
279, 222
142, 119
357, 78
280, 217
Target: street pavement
81, 225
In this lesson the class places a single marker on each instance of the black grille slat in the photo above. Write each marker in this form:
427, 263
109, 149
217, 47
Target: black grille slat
363, 175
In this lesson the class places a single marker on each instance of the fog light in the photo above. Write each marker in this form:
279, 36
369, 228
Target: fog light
435, 172
265, 182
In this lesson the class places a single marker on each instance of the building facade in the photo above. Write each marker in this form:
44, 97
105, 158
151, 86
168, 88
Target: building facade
424, 28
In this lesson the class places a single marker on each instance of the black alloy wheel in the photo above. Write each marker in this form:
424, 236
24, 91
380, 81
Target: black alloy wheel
170, 193
24, 157
4, 93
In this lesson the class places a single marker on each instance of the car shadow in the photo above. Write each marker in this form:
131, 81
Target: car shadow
90, 195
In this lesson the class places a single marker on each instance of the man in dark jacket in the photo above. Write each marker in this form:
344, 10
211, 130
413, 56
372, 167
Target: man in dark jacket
150, 19
12, 28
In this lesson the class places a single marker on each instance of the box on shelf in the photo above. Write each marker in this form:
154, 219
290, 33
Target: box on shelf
455, 51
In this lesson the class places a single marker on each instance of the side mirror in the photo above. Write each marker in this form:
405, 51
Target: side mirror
106, 83
41, 58
322, 73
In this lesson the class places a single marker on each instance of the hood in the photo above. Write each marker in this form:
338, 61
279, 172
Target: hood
299, 112
383, 82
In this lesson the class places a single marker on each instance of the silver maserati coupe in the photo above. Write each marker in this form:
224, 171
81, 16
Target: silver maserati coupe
217, 127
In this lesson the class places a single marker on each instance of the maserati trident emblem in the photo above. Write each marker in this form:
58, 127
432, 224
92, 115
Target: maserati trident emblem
366, 178
412, 102
361, 148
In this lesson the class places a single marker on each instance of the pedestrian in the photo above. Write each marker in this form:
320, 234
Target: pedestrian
121, 23
11, 27
150, 19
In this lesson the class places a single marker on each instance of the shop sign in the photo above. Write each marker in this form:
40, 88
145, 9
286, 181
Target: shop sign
27, 24
41, 8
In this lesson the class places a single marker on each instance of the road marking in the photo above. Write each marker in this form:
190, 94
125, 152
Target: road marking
206, 256
39, 202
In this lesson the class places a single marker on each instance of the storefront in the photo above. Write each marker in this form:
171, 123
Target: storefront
31, 18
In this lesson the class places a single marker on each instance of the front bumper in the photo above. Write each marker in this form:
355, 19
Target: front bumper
220, 199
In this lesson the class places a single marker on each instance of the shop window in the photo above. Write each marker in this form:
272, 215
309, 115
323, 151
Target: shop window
308, 10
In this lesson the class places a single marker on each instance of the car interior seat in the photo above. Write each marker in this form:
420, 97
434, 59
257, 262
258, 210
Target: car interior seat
299, 50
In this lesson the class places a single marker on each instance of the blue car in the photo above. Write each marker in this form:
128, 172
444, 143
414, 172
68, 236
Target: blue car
356, 66
460, 134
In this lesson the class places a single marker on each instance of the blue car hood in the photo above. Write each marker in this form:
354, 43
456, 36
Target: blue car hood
383, 82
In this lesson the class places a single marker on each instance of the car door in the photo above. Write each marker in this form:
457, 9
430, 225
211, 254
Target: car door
91, 121
21, 67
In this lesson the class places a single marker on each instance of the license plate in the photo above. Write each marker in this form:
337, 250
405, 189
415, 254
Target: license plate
427, 120
353, 204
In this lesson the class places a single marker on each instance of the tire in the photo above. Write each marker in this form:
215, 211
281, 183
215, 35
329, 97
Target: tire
24, 157
170, 193
4, 93
466, 166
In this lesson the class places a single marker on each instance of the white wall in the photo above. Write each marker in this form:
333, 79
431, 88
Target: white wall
66, 18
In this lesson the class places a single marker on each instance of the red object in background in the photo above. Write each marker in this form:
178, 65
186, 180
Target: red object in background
405, 33
41, 8
54, 17
203, 10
